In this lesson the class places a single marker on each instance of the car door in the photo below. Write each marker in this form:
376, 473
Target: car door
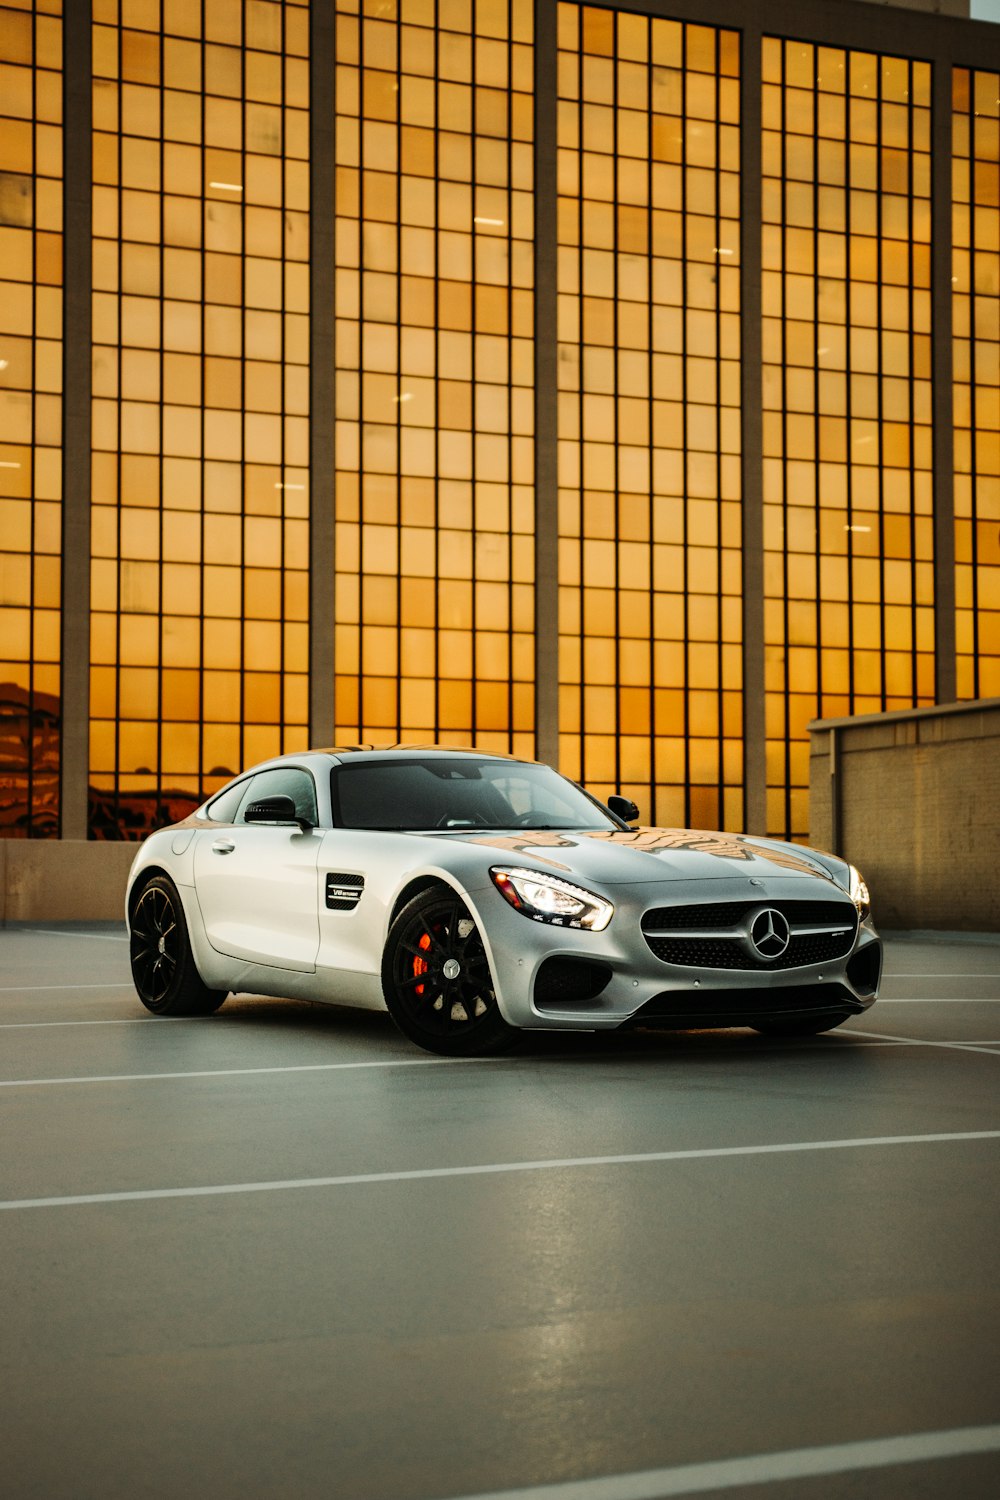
257, 883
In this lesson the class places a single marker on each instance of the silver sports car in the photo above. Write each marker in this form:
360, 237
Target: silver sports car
477, 896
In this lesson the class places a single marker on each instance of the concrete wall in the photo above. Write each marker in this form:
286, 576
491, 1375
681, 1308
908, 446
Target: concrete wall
63, 880
913, 799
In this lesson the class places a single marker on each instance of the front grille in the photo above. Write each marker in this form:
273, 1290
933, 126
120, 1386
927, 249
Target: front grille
729, 913
723, 948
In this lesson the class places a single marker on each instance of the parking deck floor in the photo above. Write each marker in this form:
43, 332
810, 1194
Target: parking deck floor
281, 1252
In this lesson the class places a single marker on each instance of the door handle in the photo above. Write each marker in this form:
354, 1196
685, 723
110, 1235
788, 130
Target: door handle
223, 846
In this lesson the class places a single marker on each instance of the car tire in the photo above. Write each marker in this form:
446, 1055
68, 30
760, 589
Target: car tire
453, 1014
802, 1026
163, 967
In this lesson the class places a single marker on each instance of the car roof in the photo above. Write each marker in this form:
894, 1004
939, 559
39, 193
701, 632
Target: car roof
403, 751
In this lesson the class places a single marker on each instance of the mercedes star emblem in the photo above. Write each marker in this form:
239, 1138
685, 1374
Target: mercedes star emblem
770, 933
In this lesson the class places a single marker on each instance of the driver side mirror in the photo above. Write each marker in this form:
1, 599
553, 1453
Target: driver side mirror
279, 809
624, 809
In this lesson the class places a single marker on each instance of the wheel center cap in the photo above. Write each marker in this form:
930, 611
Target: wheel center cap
452, 968
161, 946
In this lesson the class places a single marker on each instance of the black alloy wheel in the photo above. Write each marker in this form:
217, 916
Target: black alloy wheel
436, 979
163, 967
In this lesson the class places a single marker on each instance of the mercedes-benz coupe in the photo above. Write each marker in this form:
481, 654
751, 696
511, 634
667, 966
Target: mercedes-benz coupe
477, 897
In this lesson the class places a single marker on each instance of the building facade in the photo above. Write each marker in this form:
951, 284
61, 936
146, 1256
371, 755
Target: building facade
617, 384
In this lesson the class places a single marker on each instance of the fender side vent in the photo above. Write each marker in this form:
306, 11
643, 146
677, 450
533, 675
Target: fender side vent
343, 892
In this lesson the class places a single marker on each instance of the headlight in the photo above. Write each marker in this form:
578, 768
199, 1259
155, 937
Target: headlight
546, 898
860, 894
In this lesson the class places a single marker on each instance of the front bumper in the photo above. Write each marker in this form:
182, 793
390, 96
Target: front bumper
556, 978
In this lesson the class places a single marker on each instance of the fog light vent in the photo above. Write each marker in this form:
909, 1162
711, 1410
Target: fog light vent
864, 968
569, 982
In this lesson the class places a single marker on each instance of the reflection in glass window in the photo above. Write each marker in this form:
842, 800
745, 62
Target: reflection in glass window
649, 413
199, 631
976, 311
31, 311
435, 362
848, 527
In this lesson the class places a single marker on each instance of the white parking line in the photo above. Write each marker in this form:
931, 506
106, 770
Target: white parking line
127, 1021
386, 1062
498, 1168
100, 937
304, 1068
916, 1041
764, 1468
27, 989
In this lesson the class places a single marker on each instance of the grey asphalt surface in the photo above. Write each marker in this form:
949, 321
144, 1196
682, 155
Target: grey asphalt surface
457, 1335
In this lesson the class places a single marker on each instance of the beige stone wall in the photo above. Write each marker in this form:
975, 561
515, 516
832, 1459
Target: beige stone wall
63, 880
914, 802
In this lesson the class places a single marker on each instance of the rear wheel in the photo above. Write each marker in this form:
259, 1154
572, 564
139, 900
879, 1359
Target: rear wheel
436, 979
802, 1026
163, 967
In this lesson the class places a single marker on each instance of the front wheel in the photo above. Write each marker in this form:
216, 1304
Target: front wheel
802, 1026
436, 979
163, 967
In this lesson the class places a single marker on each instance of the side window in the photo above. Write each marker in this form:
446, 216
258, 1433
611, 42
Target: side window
223, 809
287, 781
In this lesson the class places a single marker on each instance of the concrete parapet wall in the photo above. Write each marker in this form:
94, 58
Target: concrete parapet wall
53, 880
913, 799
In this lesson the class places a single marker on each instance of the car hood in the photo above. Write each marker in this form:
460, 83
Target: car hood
653, 854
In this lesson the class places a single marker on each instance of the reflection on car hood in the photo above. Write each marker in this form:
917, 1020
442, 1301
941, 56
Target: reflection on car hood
654, 854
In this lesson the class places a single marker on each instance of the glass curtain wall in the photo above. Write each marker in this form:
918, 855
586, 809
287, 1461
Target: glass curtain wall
199, 638
435, 373
848, 526
31, 278
199, 630
649, 413
976, 304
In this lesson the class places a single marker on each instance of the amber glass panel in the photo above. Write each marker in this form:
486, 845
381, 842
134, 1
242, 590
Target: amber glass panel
848, 530
31, 238
435, 361
976, 312
650, 655
199, 638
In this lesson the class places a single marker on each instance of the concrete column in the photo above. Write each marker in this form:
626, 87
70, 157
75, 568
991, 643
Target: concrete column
74, 762
943, 366
322, 122
754, 768
546, 390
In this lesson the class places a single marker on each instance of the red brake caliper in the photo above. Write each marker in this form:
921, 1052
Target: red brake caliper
420, 965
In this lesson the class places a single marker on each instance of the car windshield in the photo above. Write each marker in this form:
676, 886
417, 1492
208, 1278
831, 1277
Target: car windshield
452, 793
